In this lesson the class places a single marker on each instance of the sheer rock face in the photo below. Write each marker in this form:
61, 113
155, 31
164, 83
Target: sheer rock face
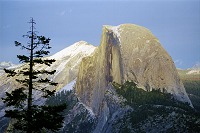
127, 52
66, 65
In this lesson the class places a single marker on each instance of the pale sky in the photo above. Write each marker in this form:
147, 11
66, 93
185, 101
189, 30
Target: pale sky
176, 23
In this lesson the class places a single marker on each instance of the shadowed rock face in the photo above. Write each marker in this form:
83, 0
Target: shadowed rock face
67, 65
127, 52
146, 62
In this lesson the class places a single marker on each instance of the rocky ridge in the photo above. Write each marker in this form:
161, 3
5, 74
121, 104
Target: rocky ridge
195, 69
5, 65
66, 66
127, 53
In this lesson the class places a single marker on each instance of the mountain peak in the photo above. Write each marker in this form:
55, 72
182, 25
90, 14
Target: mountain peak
78, 47
81, 42
6, 64
195, 69
196, 66
127, 52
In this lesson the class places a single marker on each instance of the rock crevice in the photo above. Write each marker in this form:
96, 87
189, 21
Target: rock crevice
127, 52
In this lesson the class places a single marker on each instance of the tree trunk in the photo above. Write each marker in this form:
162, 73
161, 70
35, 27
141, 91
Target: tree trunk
30, 82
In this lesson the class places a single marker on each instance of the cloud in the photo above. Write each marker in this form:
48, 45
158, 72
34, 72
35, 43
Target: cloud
64, 12
70, 10
6, 27
178, 62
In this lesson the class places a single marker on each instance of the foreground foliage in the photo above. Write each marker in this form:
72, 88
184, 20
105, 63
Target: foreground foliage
192, 86
27, 115
77, 118
136, 96
155, 111
193, 89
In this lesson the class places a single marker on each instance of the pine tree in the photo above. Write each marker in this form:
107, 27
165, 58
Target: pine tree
27, 116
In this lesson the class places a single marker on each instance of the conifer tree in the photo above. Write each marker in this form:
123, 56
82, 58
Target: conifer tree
27, 116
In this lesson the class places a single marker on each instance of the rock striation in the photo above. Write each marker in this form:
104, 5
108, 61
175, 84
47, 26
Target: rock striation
66, 66
127, 52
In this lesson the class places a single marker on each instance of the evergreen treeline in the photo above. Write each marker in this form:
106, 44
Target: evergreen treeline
25, 114
193, 89
155, 111
136, 96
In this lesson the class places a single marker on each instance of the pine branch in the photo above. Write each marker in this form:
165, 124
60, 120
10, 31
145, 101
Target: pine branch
41, 53
23, 81
43, 40
23, 58
15, 98
13, 113
44, 80
44, 72
17, 43
22, 46
38, 60
53, 83
10, 73
47, 81
47, 62
48, 93
41, 90
25, 73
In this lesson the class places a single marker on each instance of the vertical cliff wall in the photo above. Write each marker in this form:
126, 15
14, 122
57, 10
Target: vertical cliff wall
127, 52
67, 64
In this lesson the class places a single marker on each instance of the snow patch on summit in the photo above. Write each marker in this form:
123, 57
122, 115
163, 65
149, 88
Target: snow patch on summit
115, 29
78, 47
8, 65
74, 53
194, 71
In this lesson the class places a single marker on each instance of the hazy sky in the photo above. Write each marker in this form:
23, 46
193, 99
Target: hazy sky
176, 23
